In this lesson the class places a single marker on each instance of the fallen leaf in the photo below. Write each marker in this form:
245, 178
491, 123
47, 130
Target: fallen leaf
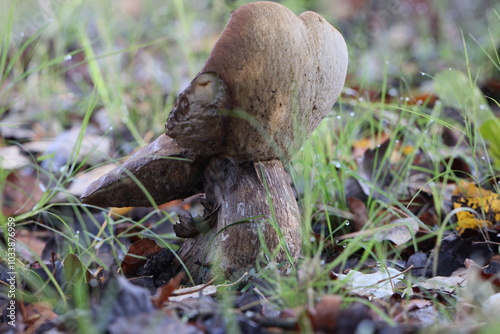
21, 192
399, 231
324, 315
376, 285
11, 157
38, 312
137, 256
484, 203
166, 291
94, 148
446, 283
358, 209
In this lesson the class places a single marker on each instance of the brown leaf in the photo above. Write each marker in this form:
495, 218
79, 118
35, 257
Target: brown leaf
38, 313
324, 316
166, 291
358, 208
21, 192
32, 240
137, 255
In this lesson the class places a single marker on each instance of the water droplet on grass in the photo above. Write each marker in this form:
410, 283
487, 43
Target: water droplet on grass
67, 57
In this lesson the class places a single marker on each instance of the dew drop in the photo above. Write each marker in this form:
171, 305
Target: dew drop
21, 34
68, 57
322, 262
344, 246
339, 117
347, 223
482, 107
313, 239
352, 114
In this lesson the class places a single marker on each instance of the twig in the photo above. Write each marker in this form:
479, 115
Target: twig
391, 277
193, 289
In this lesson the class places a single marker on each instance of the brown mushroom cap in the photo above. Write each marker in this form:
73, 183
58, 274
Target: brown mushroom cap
283, 73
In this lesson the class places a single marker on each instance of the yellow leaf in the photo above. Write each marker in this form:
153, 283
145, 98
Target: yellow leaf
486, 204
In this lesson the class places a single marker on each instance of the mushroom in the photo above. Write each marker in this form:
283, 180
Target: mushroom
270, 79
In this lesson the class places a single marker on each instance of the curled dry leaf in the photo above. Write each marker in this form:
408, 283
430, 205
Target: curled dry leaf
166, 291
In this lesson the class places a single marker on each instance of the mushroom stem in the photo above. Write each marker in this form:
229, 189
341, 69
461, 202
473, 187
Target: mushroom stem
258, 216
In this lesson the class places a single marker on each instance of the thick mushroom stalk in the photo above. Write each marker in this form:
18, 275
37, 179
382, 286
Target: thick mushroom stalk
269, 81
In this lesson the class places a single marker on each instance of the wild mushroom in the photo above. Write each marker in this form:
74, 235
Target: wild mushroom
269, 81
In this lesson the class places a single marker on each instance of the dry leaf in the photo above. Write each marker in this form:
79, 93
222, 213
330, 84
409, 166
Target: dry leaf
166, 291
324, 316
377, 285
137, 255
484, 202
21, 192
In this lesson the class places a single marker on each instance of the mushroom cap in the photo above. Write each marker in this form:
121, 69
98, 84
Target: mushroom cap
283, 74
